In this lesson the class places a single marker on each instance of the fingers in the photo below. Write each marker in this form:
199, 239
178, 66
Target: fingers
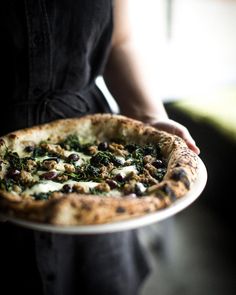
183, 132
177, 129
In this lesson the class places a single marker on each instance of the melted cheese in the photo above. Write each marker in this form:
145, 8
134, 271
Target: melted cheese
121, 159
125, 170
50, 186
44, 187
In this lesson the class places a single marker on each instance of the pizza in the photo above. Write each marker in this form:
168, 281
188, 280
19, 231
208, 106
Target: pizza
95, 169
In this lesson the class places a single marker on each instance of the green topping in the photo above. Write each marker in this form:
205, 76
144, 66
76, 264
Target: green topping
160, 173
71, 143
139, 153
39, 152
104, 158
97, 167
14, 160
7, 184
86, 173
42, 196
95, 191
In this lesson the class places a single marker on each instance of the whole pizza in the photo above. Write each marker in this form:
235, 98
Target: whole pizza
96, 169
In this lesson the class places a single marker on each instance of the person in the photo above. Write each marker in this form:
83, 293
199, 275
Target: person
52, 52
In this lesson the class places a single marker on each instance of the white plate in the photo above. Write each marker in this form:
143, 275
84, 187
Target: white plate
133, 223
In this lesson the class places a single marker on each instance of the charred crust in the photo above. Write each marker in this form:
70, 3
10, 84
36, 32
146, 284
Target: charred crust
2, 142
120, 209
12, 136
166, 189
86, 206
181, 175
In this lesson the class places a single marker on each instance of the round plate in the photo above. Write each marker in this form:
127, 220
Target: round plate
133, 223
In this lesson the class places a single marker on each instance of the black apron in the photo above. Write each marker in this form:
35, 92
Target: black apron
51, 53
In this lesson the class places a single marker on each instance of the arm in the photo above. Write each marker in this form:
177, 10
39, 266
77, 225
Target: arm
128, 79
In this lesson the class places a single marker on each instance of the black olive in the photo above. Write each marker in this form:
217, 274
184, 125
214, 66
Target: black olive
112, 183
29, 149
120, 177
103, 146
158, 164
49, 175
67, 188
73, 157
52, 159
149, 150
139, 189
131, 147
13, 173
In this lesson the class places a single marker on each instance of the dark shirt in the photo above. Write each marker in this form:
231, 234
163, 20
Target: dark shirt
51, 53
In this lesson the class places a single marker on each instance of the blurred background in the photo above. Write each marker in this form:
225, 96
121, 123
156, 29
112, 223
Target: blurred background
194, 45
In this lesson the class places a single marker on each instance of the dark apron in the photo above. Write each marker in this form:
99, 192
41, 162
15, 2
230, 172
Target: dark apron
40, 84
53, 264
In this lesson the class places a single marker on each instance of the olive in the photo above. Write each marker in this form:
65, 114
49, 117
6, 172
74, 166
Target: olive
49, 175
120, 177
158, 164
14, 173
67, 188
52, 159
73, 157
131, 147
139, 189
29, 148
103, 146
112, 183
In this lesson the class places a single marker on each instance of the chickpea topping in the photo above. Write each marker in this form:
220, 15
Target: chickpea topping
133, 176
92, 149
53, 148
26, 177
55, 195
16, 188
49, 165
78, 188
62, 178
147, 178
152, 170
118, 149
69, 168
103, 187
148, 159
31, 165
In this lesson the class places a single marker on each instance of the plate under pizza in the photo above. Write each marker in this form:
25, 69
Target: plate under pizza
100, 173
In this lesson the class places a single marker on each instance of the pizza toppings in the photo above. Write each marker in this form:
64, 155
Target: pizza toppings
103, 168
95, 169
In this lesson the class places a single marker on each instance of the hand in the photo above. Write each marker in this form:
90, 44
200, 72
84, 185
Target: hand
175, 128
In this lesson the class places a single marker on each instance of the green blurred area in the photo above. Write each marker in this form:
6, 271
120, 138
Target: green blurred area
218, 109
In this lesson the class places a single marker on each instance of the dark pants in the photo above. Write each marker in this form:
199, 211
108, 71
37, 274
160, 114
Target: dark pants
43, 263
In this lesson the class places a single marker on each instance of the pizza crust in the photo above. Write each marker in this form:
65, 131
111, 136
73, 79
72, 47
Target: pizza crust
72, 209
